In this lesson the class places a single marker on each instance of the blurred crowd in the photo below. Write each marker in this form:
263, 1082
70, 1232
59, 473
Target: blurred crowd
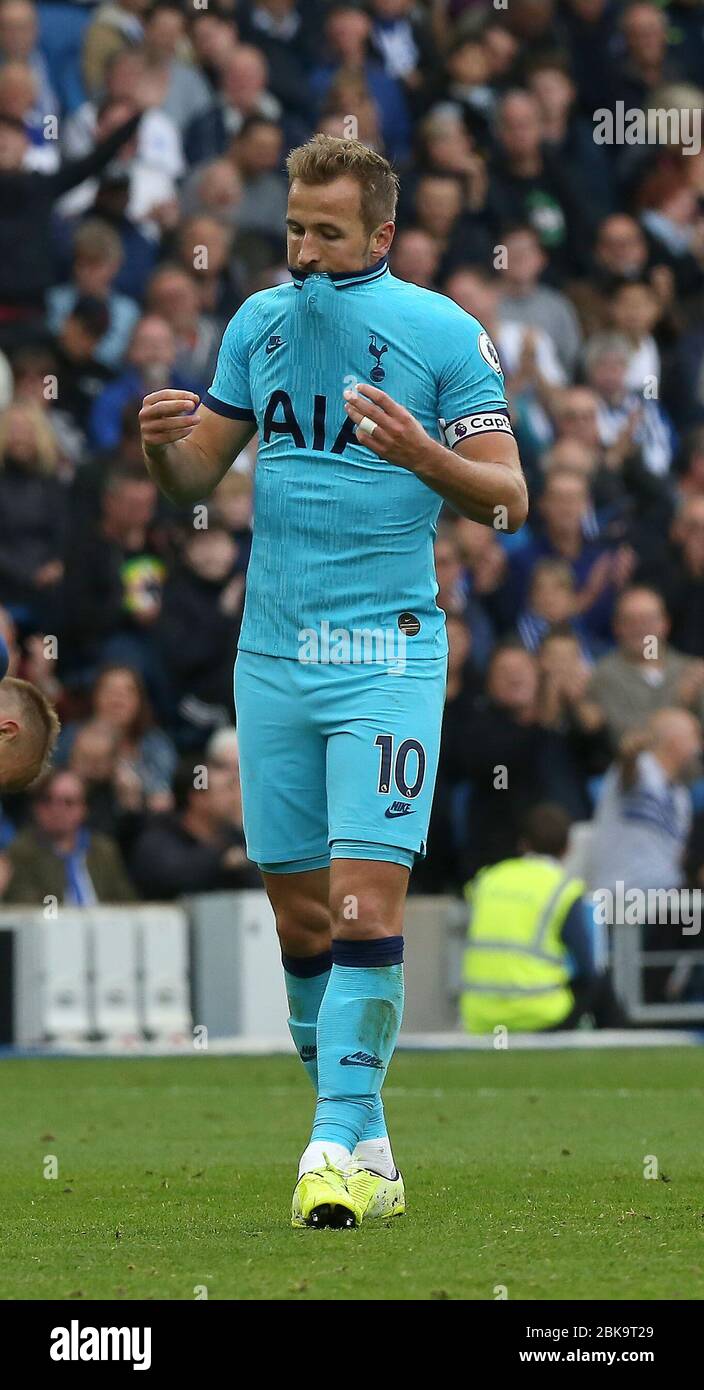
143, 193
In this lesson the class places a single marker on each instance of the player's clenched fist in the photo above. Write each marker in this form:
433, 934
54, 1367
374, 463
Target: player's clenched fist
167, 416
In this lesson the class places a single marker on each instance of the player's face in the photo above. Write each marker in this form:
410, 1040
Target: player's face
325, 231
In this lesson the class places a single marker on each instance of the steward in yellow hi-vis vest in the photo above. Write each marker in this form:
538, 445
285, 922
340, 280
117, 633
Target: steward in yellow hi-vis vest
516, 967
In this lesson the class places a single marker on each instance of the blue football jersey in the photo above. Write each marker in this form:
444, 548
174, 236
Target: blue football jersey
341, 535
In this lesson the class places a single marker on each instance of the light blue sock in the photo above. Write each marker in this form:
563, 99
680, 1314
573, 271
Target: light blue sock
306, 981
358, 1024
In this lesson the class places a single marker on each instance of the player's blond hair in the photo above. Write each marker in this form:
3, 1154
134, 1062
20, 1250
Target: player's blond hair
328, 157
35, 742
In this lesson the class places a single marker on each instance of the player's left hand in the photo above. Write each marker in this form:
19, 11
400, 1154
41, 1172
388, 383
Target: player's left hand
398, 436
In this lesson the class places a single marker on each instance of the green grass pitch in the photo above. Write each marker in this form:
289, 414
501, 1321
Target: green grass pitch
523, 1170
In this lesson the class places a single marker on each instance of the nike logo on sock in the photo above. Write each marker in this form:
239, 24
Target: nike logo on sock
361, 1059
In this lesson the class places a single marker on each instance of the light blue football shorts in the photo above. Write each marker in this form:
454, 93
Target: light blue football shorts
336, 761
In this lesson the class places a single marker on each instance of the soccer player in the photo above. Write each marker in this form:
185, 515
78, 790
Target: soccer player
29, 728
340, 673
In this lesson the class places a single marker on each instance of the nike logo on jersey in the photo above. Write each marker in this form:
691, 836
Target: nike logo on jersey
274, 342
362, 1059
398, 808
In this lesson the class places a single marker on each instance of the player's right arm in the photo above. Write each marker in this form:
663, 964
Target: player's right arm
188, 448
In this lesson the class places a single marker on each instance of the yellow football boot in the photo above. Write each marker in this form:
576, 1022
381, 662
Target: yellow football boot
330, 1197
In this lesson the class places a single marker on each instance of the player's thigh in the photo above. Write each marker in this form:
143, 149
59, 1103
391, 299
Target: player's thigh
282, 765
367, 898
382, 759
300, 903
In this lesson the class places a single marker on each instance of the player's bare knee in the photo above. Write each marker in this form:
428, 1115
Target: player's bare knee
303, 928
362, 915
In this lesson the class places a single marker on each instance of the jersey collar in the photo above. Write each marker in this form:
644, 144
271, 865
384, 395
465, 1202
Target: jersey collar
343, 278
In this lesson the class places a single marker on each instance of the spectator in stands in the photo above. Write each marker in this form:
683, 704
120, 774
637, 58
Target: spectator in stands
530, 963
565, 513
441, 870
97, 259
567, 132
18, 102
635, 311
620, 253
150, 361
120, 701
503, 732
116, 25
200, 847
201, 614
678, 571
590, 27
57, 857
565, 674
672, 218
642, 827
437, 206
19, 31
27, 199
528, 185
457, 594
32, 517
415, 256
286, 33
242, 92
173, 297
114, 615
524, 300
166, 46
552, 602
625, 414
214, 190
644, 674
481, 292
630, 503
347, 33
80, 377
153, 161
256, 155
232, 507
214, 39
204, 245
114, 788
648, 63
402, 37
444, 143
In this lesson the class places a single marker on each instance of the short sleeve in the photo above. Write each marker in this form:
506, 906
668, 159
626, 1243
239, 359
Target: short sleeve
471, 392
230, 392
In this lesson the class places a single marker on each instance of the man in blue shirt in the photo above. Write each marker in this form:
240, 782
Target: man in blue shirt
342, 655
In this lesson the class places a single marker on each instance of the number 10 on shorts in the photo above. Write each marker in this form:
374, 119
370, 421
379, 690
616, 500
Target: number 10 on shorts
399, 765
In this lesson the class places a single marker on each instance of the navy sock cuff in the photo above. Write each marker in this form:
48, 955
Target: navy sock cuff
305, 967
384, 950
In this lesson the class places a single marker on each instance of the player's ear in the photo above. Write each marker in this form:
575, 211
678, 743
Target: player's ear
383, 237
9, 729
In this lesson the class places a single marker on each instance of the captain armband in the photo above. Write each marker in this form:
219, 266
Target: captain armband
478, 422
